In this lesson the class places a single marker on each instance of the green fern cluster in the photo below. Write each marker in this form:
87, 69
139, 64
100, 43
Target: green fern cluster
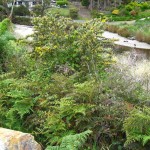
15, 101
72, 142
137, 126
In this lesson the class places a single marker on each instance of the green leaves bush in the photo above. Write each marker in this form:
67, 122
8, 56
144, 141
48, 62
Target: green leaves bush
63, 40
6, 39
73, 13
21, 11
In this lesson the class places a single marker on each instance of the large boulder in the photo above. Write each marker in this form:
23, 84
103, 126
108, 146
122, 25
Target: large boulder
15, 140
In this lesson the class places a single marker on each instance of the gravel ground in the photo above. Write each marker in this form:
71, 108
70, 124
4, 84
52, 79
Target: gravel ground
22, 31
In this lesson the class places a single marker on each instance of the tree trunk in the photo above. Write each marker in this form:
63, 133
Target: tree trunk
12, 8
105, 4
98, 7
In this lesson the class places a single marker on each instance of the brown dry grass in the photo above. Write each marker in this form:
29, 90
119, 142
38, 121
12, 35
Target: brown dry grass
124, 32
142, 37
112, 28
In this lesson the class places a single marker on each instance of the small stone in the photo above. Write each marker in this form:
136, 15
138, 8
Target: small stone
16, 140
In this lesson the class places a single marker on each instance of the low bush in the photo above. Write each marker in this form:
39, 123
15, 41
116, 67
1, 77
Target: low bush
6, 44
133, 13
145, 6
85, 3
112, 28
123, 32
139, 36
37, 10
142, 36
124, 12
96, 14
22, 20
21, 11
73, 13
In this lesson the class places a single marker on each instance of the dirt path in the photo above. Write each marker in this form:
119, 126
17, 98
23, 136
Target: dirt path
22, 31
83, 11
119, 40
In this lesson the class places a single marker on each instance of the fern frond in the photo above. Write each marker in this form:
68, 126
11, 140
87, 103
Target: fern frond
137, 126
72, 142
75, 141
146, 139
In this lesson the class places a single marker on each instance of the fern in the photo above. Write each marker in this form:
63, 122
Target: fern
72, 142
137, 126
15, 100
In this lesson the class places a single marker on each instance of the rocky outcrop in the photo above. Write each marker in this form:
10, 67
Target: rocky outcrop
15, 140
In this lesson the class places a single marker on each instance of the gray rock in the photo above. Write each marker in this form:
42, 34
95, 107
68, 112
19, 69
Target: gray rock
15, 140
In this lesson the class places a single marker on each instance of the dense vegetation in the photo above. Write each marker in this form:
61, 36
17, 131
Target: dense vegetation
67, 86
64, 86
132, 11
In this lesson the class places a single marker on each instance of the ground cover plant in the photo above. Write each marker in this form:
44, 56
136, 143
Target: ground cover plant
68, 87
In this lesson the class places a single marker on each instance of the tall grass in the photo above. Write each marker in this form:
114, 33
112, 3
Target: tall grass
136, 65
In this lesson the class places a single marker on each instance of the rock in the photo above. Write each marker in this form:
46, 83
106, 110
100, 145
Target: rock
15, 140
132, 38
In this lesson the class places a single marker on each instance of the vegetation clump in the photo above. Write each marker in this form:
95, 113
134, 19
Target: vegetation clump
67, 91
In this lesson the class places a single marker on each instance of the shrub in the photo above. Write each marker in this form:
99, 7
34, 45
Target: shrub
6, 42
112, 28
96, 14
133, 13
129, 7
85, 3
73, 13
22, 20
144, 6
123, 32
124, 12
5, 26
142, 37
37, 10
139, 36
21, 11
